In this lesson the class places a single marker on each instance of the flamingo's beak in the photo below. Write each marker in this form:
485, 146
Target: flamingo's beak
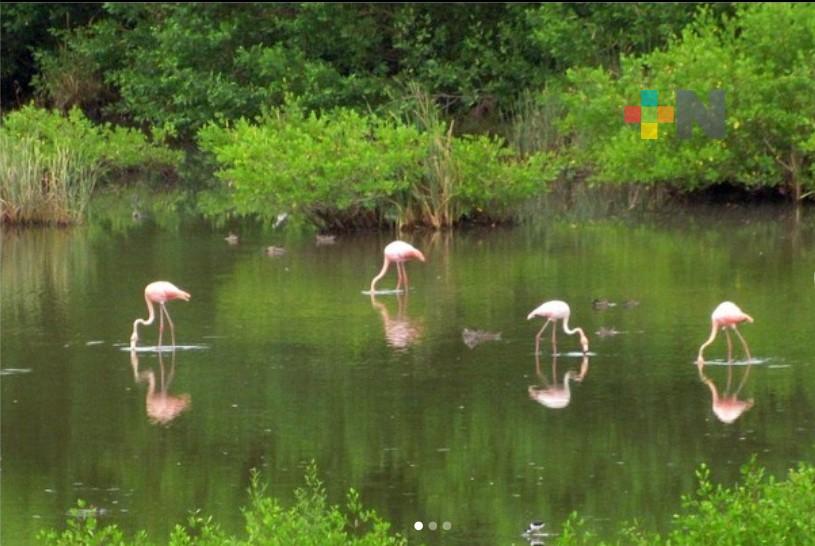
420, 256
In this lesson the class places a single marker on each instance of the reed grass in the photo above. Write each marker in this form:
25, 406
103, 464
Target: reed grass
43, 187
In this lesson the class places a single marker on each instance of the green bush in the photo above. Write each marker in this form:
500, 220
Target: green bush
768, 87
758, 510
344, 168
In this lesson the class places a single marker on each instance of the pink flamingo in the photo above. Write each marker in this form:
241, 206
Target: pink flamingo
159, 292
398, 252
725, 317
553, 311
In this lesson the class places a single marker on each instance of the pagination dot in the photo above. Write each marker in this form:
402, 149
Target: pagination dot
418, 526
432, 526
446, 525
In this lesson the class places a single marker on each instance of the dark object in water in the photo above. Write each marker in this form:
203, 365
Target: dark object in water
535, 534
605, 332
232, 239
472, 338
274, 251
602, 303
629, 304
326, 239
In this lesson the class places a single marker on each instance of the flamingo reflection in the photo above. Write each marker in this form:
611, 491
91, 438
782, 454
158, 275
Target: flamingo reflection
400, 332
556, 395
726, 406
162, 407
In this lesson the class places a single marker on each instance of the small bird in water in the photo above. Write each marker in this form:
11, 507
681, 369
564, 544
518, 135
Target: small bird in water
602, 303
232, 239
605, 332
473, 338
630, 304
326, 239
534, 534
274, 251
280, 219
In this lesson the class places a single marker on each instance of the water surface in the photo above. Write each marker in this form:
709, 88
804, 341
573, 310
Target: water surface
283, 360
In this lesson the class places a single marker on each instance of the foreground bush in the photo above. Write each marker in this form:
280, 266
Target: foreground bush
343, 169
310, 521
758, 510
51, 163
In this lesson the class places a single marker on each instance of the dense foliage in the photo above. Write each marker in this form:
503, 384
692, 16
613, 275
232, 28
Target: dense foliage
343, 168
764, 59
552, 77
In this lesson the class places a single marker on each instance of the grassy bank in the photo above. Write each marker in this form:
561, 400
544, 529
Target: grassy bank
757, 510
52, 163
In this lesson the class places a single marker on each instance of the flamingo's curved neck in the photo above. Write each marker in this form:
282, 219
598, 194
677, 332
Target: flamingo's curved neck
381, 274
567, 329
571, 331
150, 318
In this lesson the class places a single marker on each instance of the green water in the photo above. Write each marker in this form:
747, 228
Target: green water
284, 361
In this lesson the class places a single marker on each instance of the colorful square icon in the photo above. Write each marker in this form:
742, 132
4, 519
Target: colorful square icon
649, 97
665, 114
631, 114
649, 131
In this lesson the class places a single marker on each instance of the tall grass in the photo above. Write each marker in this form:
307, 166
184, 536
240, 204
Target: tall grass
40, 187
431, 199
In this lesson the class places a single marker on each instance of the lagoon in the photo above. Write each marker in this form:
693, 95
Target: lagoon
282, 360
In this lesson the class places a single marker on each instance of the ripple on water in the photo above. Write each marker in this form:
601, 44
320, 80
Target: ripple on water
163, 348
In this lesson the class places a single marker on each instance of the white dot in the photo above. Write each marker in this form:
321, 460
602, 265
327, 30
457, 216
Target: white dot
432, 525
418, 526
446, 525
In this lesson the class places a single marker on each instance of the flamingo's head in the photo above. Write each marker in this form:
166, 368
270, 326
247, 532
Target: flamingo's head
530, 316
181, 295
584, 342
417, 254
748, 318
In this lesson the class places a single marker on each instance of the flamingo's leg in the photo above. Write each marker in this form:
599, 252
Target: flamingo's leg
554, 341
399, 275
404, 275
729, 345
744, 344
172, 326
538, 337
160, 324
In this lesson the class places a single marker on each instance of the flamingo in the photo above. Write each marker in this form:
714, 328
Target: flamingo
397, 252
725, 317
159, 292
553, 311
